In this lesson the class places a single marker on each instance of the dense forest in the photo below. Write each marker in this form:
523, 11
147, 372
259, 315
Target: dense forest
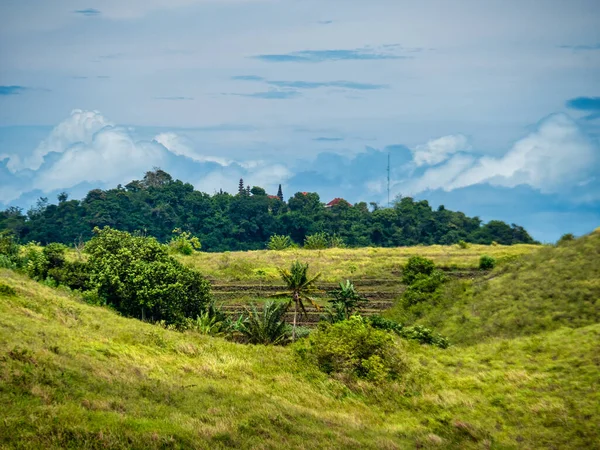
157, 204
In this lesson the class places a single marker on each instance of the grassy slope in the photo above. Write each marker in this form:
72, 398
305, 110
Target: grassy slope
542, 291
338, 264
73, 375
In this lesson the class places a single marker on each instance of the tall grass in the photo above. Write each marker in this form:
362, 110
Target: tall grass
79, 376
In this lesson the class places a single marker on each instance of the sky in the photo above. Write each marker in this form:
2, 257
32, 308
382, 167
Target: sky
491, 108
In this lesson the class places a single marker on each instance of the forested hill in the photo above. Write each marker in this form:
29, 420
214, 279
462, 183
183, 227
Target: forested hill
158, 204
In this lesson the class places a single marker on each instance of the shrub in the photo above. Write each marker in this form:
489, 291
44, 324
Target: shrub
279, 242
336, 241
6, 290
267, 326
184, 243
136, 276
462, 244
565, 238
415, 267
417, 333
7, 263
317, 241
487, 262
9, 251
346, 298
355, 349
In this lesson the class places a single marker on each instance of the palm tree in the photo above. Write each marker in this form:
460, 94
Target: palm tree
299, 286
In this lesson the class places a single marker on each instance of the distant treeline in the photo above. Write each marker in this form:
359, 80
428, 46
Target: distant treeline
158, 204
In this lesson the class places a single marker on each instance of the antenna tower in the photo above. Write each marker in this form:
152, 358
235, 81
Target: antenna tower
388, 179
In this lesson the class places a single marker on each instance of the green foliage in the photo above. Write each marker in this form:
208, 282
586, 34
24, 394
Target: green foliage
462, 244
266, 326
79, 376
158, 204
550, 288
415, 267
317, 241
354, 349
7, 290
299, 287
346, 298
487, 262
336, 241
565, 238
278, 242
9, 251
417, 333
322, 240
136, 275
184, 243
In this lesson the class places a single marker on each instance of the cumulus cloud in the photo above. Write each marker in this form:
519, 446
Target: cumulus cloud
87, 148
178, 145
439, 150
80, 127
557, 155
112, 156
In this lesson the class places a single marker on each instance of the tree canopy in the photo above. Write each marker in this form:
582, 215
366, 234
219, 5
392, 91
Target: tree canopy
158, 204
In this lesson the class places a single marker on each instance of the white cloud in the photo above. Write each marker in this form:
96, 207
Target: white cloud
182, 147
112, 156
79, 127
557, 154
439, 150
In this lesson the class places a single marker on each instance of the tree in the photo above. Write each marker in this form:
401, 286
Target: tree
62, 197
298, 286
280, 193
346, 298
256, 190
241, 189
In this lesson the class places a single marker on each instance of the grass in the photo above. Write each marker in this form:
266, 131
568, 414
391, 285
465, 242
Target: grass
79, 376
542, 291
338, 264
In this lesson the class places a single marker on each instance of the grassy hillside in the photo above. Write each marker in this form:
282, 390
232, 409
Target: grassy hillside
77, 376
336, 264
544, 290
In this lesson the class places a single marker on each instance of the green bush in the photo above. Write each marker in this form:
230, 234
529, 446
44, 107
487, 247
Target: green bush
336, 241
6, 290
184, 243
136, 276
9, 251
279, 242
7, 263
417, 333
317, 241
416, 266
487, 262
565, 238
462, 244
354, 349
267, 326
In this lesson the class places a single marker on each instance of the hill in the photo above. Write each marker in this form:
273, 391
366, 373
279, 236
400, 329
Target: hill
540, 291
79, 376
157, 204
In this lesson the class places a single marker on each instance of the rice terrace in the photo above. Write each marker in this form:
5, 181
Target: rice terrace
277, 224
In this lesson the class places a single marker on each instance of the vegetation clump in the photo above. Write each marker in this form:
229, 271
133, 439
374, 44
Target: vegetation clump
279, 242
184, 243
267, 326
422, 279
353, 349
136, 276
487, 262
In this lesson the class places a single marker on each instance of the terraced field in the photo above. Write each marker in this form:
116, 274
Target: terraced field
381, 293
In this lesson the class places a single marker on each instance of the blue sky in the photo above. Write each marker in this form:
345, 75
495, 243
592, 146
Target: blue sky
492, 108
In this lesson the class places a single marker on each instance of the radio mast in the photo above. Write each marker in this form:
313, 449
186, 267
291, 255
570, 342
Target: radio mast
388, 179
